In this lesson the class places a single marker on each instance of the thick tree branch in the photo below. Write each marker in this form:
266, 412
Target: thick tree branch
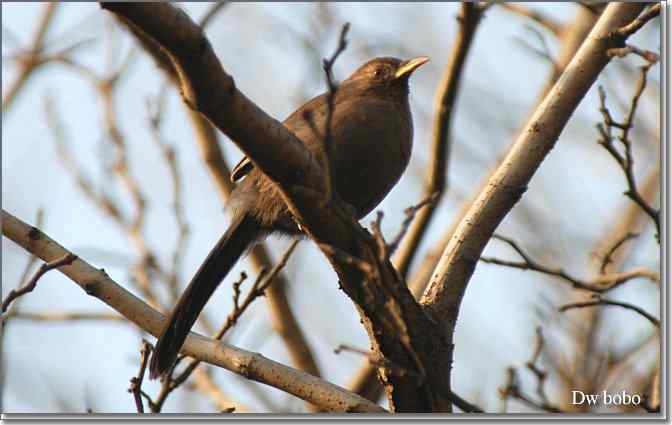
396, 324
259, 287
572, 38
443, 297
283, 319
97, 283
365, 383
571, 41
207, 88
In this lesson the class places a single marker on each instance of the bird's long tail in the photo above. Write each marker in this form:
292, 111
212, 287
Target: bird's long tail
241, 233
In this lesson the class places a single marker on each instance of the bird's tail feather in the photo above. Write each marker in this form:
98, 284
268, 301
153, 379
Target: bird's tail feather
241, 233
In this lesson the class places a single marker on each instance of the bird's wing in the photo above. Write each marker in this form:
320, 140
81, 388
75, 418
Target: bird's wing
316, 108
241, 169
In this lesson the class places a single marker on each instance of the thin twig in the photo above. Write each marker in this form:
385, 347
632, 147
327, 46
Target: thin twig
136, 381
647, 55
545, 21
599, 284
543, 52
634, 26
211, 13
62, 317
512, 390
465, 405
346, 258
26, 273
386, 250
260, 285
607, 260
376, 227
66, 260
376, 360
534, 368
602, 301
327, 65
410, 213
594, 7
625, 160
236, 289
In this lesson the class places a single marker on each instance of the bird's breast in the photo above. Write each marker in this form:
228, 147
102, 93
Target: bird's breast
372, 143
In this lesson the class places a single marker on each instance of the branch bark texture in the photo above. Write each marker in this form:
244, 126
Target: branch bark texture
506, 186
97, 283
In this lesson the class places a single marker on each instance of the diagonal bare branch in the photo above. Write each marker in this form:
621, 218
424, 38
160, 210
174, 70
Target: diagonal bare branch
602, 301
599, 284
97, 283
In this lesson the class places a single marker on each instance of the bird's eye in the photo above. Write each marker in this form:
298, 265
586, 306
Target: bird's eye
377, 72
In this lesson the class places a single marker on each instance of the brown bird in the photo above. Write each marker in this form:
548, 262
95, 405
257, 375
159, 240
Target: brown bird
371, 137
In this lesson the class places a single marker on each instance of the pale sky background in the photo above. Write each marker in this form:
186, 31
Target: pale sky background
572, 200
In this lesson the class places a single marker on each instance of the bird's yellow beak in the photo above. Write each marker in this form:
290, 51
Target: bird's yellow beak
406, 68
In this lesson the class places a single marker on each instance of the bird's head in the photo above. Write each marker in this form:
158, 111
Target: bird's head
387, 71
